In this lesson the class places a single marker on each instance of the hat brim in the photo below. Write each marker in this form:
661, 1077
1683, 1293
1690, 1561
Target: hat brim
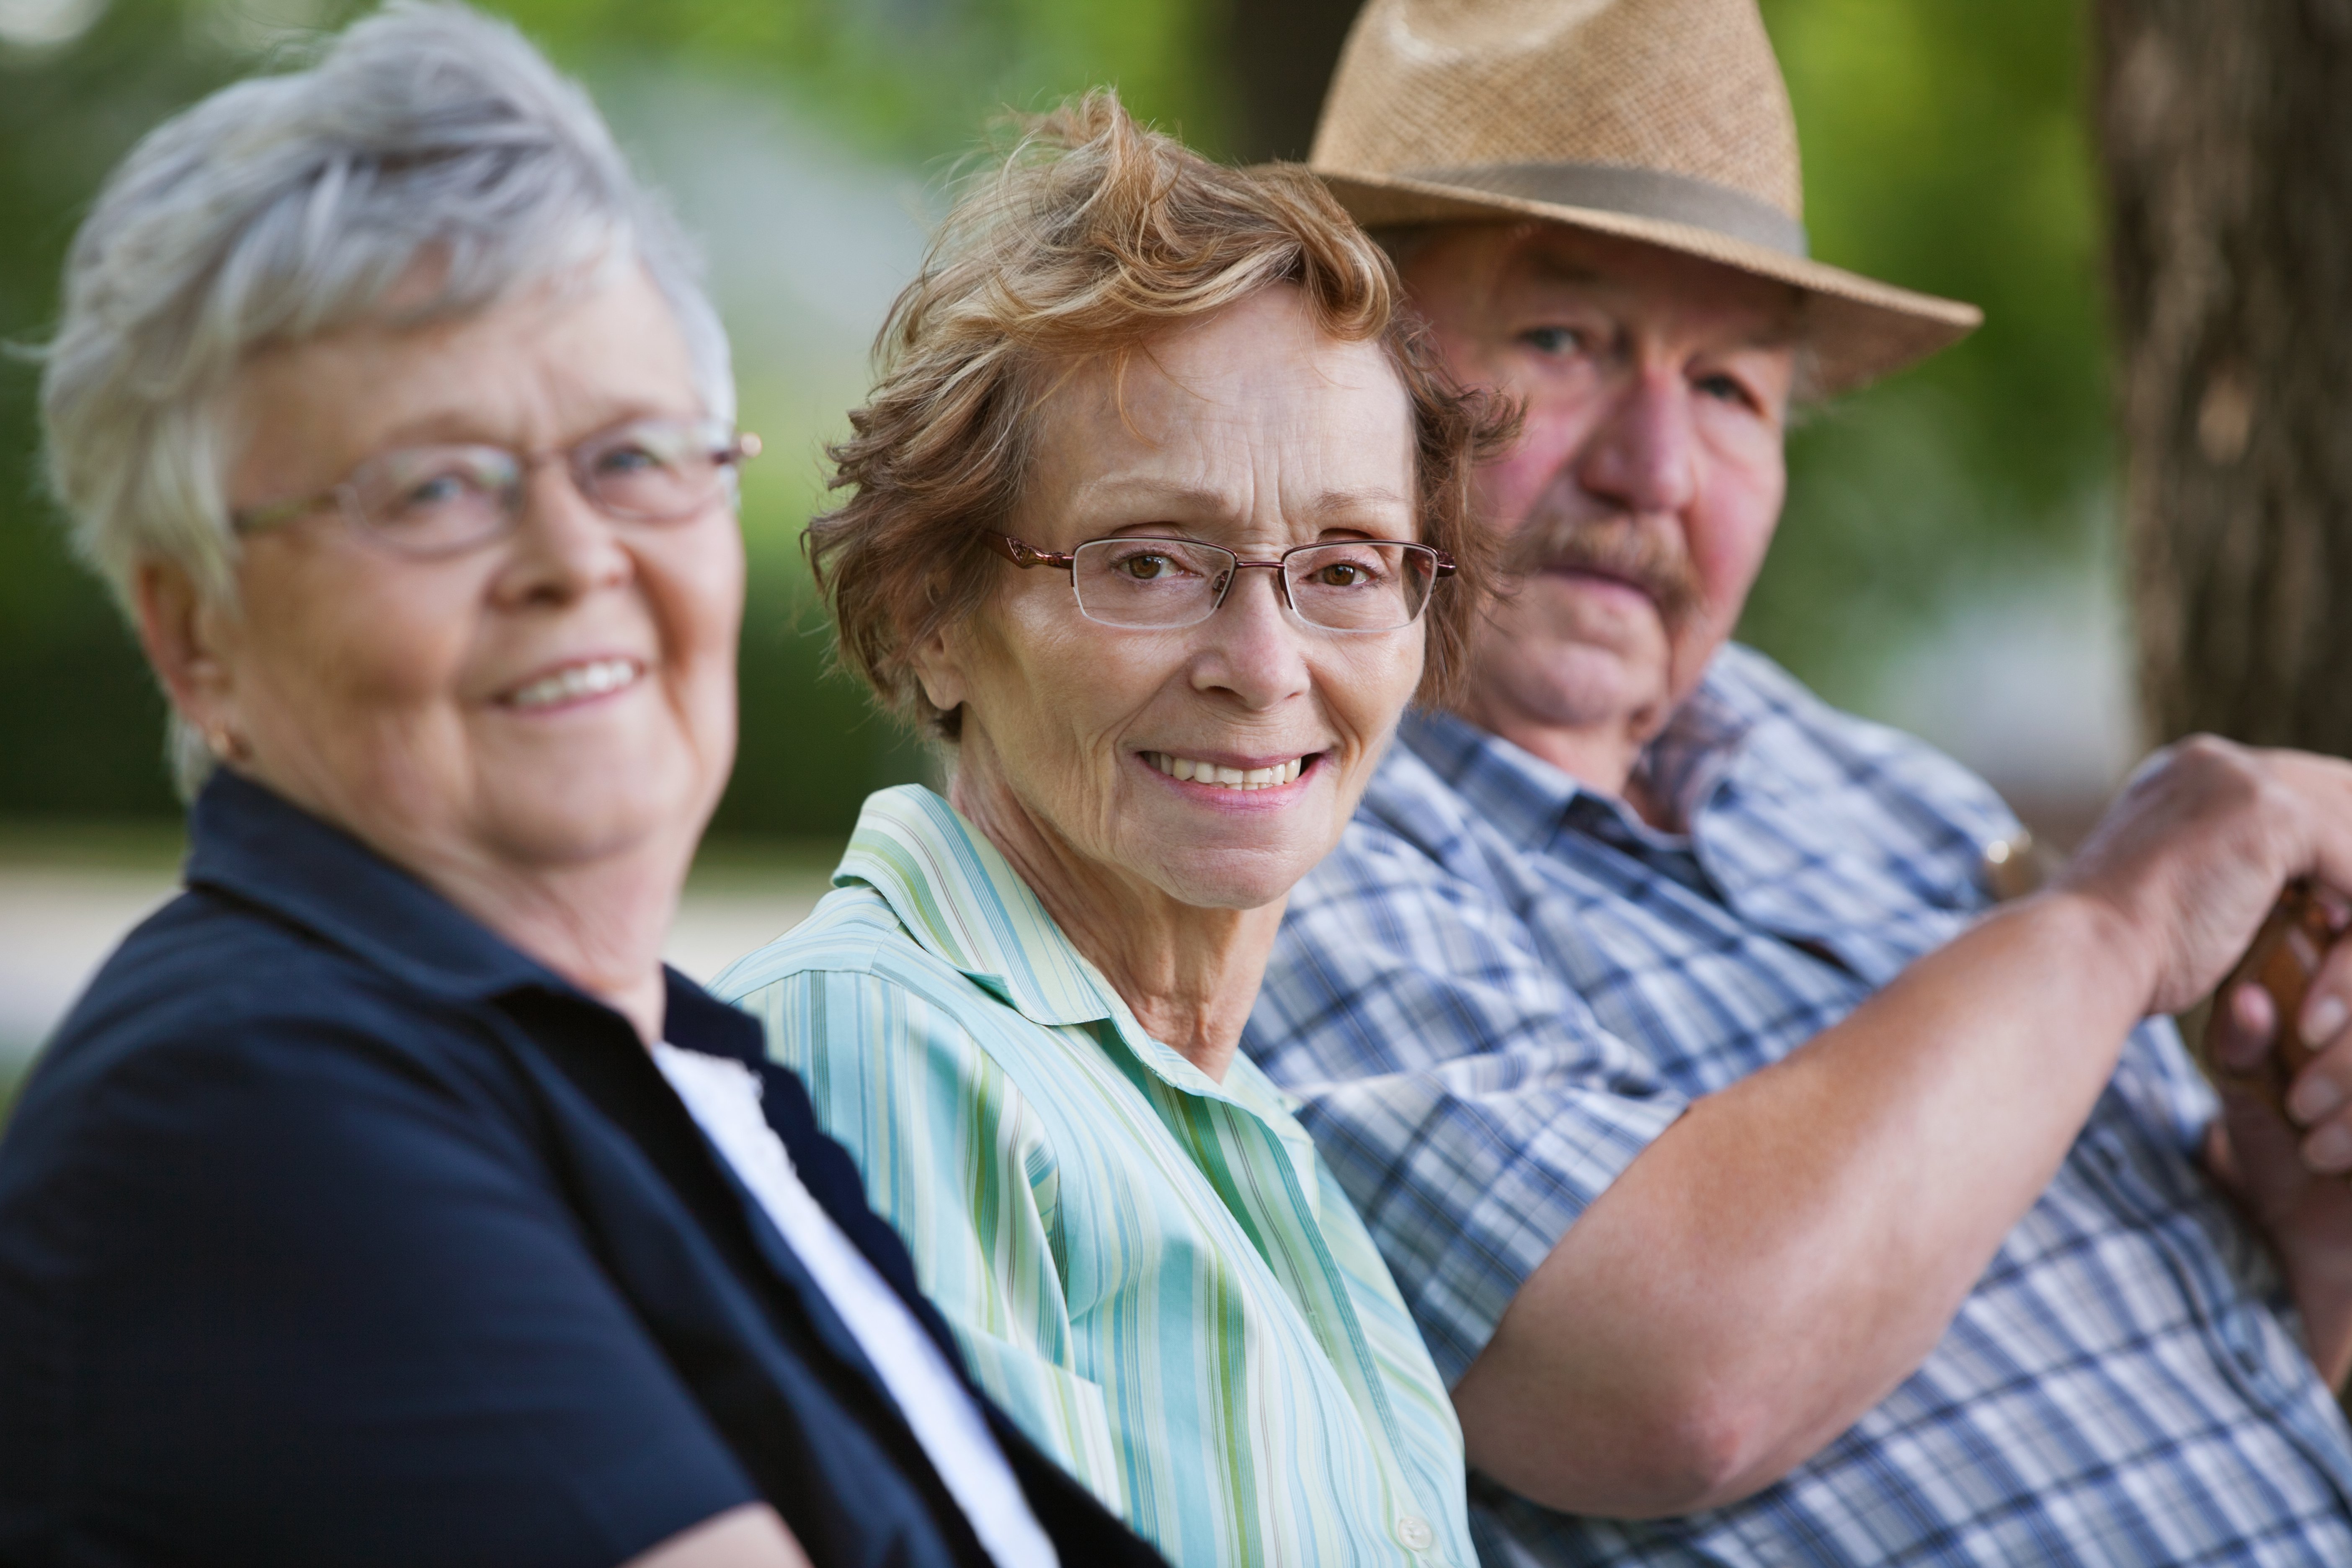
1858, 328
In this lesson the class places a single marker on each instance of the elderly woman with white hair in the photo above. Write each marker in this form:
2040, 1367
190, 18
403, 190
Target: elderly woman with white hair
386, 1201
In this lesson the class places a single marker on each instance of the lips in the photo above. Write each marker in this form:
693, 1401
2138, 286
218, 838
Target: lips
575, 682
1191, 771
1611, 579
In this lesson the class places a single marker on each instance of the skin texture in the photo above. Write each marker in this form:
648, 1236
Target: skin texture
1656, 391
1248, 429
751, 1536
1793, 1247
373, 690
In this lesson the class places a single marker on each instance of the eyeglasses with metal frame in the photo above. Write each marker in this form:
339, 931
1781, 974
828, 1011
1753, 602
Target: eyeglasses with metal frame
1148, 583
436, 500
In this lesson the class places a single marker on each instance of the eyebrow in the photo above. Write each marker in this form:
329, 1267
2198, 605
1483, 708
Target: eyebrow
1784, 331
1544, 267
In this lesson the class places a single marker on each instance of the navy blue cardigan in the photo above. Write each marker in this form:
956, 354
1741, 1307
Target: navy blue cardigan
334, 1229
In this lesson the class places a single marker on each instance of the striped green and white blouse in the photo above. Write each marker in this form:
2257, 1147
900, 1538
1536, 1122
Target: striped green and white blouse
1153, 1271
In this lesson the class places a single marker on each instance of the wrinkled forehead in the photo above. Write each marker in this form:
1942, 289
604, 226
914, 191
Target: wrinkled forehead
1451, 269
1253, 396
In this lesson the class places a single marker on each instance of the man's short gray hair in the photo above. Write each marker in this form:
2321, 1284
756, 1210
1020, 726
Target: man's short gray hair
286, 206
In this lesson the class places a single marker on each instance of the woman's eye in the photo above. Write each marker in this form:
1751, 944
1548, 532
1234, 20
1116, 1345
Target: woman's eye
440, 490
1147, 568
626, 460
1343, 574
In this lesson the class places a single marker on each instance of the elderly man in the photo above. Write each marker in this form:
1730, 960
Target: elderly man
1767, 1194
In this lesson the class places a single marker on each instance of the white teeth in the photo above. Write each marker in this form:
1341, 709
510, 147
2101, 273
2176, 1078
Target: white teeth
590, 679
1227, 778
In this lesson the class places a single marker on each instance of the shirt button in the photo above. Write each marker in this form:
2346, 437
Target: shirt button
1414, 1531
2012, 868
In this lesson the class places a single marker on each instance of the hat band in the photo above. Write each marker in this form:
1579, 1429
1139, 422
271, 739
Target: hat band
1636, 192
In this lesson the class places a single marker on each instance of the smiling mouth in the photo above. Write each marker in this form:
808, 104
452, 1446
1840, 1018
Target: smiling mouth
591, 677
1190, 771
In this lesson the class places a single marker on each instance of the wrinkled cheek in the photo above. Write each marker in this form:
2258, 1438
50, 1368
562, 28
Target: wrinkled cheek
1504, 492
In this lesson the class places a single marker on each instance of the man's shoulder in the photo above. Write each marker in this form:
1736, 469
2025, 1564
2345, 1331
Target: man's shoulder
1414, 834
1803, 747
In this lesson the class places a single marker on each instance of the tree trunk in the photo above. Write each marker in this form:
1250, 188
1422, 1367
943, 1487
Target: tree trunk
2227, 127
1281, 53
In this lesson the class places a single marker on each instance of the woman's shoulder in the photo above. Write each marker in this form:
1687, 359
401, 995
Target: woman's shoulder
886, 1033
211, 1001
207, 965
850, 929
852, 935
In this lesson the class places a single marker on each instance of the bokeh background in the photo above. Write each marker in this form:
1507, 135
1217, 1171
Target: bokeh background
1947, 562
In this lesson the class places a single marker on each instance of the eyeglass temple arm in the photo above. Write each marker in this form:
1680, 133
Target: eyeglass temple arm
1027, 555
261, 518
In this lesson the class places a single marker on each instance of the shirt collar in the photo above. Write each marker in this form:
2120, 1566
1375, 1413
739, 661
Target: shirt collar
959, 898
1528, 799
963, 900
249, 844
253, 844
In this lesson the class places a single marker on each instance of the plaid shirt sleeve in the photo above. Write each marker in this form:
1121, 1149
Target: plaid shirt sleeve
1469, 1101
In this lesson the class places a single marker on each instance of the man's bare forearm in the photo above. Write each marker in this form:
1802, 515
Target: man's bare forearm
1794, 1246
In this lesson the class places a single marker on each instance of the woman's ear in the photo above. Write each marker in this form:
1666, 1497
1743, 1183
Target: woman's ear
185, 639
938, 669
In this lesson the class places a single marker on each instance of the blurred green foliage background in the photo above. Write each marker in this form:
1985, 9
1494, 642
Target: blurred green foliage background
1945, 148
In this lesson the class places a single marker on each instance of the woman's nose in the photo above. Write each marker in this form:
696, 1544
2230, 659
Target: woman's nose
563, 547
1642, 455
1253, 644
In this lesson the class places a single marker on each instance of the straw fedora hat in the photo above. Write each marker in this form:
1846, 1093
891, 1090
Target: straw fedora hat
1661, 121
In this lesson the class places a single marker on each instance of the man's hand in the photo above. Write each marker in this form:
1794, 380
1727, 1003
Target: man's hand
2194, 851
2288, 1173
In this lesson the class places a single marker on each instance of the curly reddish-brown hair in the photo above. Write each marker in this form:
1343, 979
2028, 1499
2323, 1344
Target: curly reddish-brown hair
1088, 237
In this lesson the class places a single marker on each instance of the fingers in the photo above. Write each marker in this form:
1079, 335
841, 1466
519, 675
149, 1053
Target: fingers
2318, 791
2328, 1004
2242, 1028
2319, 1101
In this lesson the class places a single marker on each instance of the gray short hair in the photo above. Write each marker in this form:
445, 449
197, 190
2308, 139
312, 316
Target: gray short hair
286, 206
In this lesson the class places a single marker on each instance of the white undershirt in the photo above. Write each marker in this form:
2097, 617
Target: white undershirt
724, 1097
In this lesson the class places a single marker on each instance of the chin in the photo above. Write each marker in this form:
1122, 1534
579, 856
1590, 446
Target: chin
1573, 683
593, 816
1234, 878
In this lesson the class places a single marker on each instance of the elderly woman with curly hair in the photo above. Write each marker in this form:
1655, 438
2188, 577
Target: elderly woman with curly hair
1151, 519
384, 1201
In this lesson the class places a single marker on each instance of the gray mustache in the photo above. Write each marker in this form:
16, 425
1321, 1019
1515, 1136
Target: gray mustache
1647, 554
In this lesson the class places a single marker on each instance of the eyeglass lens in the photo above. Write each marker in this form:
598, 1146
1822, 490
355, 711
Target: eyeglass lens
430, 499
1356, 585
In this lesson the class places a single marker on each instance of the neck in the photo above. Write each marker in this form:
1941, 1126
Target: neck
1188, 974
1604, 756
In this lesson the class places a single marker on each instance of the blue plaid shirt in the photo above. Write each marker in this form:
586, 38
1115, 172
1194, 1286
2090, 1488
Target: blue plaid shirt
1502, 986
